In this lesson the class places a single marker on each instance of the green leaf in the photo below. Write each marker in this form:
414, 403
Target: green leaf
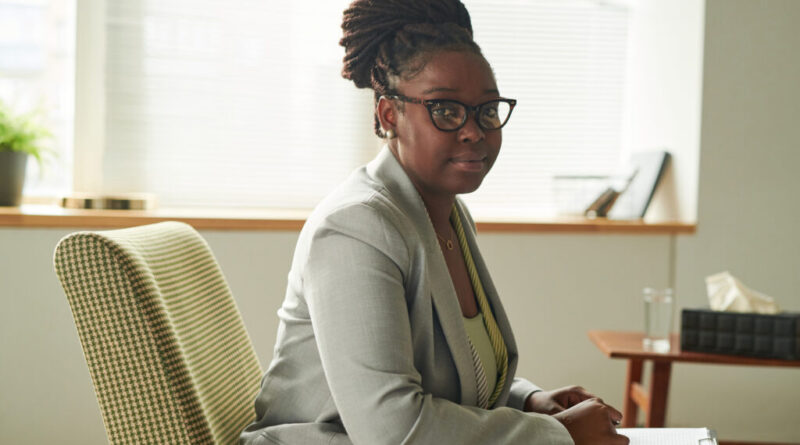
23, 133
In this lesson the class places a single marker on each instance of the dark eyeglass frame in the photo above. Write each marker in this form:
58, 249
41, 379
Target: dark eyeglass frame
430, 103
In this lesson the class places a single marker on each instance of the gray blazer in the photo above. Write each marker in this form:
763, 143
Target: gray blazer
371, 346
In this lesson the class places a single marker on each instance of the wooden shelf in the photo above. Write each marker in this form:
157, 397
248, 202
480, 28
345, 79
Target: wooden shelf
50, 216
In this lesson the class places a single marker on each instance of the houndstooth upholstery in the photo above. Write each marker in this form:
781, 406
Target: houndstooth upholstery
167, 350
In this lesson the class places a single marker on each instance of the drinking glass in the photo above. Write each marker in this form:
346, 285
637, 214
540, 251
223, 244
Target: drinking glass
657, 319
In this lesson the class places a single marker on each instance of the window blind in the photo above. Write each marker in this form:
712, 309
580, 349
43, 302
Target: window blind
565, 62
242, 104
239, 103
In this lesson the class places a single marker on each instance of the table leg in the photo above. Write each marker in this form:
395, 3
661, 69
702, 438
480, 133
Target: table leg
633, 377
659, 387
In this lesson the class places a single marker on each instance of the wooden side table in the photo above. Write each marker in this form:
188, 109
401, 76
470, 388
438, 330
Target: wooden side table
653, 401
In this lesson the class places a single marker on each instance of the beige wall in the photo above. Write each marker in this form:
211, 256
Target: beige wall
555, 286
748, 207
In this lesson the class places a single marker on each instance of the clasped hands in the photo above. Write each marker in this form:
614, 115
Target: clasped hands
587, 418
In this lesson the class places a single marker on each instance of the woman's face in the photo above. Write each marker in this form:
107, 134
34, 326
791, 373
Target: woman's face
442, 164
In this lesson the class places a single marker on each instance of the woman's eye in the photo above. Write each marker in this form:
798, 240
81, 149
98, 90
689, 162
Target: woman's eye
445, 112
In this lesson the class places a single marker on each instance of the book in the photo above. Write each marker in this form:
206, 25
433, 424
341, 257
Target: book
669, 436
650, 168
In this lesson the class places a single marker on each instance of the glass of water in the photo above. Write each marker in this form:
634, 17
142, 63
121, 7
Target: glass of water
657, 319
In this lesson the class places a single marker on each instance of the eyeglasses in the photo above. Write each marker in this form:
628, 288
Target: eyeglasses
451, 115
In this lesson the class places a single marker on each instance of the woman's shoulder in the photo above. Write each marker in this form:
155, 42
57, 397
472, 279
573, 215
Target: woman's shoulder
360, 196
362, 209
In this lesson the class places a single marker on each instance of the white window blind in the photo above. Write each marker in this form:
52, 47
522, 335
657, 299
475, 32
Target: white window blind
230, 103
242, 104
565, 62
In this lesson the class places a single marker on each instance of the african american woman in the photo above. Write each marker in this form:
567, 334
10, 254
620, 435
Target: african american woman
391, 331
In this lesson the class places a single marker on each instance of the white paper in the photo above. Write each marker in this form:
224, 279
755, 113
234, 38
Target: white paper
665, 436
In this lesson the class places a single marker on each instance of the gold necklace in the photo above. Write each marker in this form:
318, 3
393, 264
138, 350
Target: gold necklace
447, 242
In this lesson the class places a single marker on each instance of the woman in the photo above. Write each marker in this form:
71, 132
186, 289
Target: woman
391, 331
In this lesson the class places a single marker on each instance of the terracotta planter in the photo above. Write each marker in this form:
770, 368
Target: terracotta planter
12, 177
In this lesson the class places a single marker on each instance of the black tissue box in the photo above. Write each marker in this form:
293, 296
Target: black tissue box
748, 334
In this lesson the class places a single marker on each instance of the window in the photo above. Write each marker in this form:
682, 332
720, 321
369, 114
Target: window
37, 66
564, 61
218, 105
242, 103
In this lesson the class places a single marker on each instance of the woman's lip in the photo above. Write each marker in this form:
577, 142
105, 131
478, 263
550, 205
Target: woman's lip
470, 164
475, 159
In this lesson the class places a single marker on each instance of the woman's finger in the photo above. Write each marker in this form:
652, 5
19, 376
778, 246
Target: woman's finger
619, 439
614, 415
584, 394
556, 408
575, 398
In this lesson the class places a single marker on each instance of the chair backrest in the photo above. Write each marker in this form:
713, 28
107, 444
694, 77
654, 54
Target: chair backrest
169, 356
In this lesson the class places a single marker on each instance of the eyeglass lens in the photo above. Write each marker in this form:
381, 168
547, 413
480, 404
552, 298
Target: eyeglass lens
449, 115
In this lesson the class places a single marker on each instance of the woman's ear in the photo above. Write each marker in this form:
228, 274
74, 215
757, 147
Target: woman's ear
387, 114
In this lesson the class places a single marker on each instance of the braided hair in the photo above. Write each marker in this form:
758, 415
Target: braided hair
389, 39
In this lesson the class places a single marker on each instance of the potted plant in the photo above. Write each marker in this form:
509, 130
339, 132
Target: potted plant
20, 136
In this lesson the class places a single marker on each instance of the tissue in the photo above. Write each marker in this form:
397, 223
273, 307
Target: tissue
726, 293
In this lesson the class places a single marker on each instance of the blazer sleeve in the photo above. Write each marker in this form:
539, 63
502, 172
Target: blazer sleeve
520, 390
353, 283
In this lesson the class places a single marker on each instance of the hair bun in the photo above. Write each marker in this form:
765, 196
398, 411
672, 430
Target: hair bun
368, 24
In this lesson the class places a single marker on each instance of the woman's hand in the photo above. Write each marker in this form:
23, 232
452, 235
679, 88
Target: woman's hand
591, 422
557, 400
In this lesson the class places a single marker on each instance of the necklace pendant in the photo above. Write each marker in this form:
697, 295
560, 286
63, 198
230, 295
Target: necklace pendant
449, 244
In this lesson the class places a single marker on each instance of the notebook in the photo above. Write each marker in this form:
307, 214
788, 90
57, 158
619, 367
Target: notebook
669, 436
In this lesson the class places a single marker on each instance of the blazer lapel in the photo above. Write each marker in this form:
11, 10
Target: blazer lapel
449, 312
390, 172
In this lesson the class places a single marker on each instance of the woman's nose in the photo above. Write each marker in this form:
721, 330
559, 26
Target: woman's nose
471, 132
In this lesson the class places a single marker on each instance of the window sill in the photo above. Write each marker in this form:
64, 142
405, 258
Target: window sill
50, 216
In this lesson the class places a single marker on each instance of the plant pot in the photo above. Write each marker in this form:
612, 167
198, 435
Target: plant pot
12, 177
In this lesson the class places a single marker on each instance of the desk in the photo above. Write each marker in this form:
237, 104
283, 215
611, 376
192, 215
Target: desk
653, 401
